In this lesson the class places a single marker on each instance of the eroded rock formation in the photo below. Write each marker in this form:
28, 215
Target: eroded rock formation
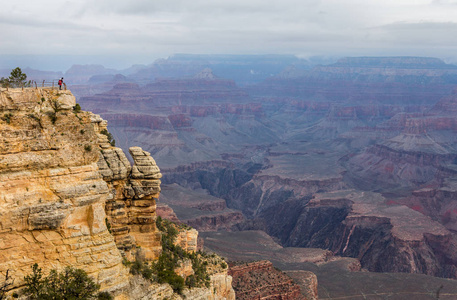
131, 210
385, 238
260, 280
58, 176
52, 195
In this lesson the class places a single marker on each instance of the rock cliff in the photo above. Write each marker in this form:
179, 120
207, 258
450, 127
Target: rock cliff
52, 196
380, 235
68, 197
131, 209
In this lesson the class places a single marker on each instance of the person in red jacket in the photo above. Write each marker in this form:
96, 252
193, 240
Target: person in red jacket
60, 83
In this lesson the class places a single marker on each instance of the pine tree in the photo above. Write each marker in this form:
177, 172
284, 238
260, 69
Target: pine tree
17, 78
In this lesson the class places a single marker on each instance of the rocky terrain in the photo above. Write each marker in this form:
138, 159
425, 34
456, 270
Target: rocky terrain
338, 277
356, 157
200, 210
387, 80
260, 280
53, 196
59, 175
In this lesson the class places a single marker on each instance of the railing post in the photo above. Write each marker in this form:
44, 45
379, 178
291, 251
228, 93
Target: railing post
42, 85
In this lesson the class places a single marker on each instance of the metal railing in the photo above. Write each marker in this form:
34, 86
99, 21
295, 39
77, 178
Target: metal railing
51, 84
43, 84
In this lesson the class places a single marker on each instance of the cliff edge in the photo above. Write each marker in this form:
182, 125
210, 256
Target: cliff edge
52, 195
58, 176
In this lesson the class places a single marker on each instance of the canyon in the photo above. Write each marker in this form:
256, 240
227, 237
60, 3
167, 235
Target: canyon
355, 157
345, 170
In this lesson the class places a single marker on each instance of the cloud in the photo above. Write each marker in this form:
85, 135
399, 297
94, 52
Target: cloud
158, 27
419, 34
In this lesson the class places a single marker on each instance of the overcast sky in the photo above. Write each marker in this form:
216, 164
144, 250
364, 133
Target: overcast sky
143, 30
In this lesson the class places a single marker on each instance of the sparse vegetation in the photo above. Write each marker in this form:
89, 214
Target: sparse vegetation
69, 284
36, 118
163, 270
5, 286
140, 267
7, 117
16, 79
109, 136
77, 108
104, 296
108, 225
88, 148
56, 107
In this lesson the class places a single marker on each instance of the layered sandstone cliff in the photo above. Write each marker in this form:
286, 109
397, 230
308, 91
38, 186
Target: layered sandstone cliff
131, 209
52, 195
58, 176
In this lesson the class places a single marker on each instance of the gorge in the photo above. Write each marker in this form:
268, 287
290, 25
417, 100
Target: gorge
344, 170
356, 157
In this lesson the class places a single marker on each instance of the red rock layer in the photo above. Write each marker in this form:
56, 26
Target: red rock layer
260, 280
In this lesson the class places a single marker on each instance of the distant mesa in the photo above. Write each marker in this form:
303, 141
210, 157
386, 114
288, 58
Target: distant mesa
206, 73
395, 62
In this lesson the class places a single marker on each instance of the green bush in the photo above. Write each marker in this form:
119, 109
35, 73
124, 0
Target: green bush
172, 255
77, 108
70, 284
109, 136
7, 117
163, 270
104, 296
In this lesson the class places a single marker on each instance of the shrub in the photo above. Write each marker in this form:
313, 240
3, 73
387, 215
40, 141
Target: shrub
68, 285
104, 296
7, 117
77, 108
109, 136
172, 254
163, 270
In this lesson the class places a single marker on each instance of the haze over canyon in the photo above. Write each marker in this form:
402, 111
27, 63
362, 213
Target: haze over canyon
342, 171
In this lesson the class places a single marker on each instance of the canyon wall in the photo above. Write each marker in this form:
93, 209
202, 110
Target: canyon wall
52, 196
278, 154
58, 175
131, 211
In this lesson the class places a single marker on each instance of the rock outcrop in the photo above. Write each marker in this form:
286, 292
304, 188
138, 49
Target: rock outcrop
68, 197
260, 280
385, 238
131, 210
52, 196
